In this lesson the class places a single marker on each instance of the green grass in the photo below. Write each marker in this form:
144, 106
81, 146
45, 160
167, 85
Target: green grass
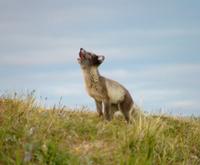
32, 134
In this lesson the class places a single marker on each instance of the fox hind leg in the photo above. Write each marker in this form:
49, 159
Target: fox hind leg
125, 108
125, 112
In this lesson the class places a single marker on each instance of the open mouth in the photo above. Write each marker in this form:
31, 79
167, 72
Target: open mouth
81, 55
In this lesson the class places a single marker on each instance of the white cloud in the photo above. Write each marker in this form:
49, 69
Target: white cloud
37, 33
70, 89
155, 72
185, 104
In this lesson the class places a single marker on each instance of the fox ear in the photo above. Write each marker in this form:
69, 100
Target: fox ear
101, 58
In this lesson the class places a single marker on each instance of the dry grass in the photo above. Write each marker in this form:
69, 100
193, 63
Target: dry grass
30, 134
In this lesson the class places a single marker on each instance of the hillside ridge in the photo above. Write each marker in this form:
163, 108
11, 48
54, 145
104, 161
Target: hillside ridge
33, 134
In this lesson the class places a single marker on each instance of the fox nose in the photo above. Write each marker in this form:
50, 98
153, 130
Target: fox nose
82, 51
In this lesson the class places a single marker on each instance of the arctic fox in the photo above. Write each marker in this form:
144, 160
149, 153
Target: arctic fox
108, 94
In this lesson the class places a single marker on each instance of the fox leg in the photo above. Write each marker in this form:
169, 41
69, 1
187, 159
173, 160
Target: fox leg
114, 108
99, 107
107, 111
125, 112
125, 109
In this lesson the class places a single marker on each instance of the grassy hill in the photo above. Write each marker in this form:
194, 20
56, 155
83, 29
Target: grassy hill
32, 134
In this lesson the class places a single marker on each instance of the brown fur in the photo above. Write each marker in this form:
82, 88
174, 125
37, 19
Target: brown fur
108, 94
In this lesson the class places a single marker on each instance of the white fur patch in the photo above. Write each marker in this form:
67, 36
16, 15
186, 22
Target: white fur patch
115, 92
101, 58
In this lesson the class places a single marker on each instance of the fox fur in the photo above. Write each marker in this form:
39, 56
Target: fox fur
109, 95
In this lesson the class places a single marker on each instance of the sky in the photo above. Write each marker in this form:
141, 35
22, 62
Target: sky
151, 47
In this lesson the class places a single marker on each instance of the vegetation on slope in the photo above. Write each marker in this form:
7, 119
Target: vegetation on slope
31, 134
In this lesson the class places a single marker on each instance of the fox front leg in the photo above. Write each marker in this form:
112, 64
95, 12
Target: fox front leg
107, 111
99, 108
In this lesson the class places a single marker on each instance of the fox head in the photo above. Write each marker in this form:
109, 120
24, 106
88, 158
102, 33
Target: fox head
88, 59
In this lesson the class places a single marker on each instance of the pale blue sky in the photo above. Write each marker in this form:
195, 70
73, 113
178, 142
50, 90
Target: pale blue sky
152, 47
